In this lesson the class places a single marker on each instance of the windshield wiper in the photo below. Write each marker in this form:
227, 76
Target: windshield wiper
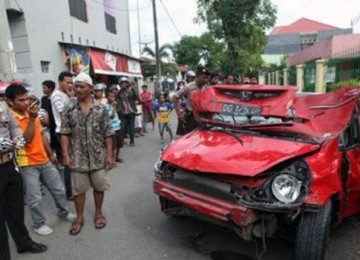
224, 130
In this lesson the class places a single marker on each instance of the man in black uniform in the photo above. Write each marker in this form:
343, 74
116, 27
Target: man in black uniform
11, 190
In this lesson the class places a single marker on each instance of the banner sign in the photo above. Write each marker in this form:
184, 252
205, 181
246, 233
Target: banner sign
79, 59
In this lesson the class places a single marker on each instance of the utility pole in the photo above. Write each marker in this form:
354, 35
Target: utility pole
157, 55
7, 56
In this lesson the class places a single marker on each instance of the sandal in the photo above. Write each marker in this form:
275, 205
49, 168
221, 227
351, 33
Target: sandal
100, 222
76, 227
119, 160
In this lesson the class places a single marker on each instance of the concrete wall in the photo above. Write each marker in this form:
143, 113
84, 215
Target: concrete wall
44, 24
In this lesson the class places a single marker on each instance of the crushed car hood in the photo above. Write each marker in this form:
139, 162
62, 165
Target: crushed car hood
221, 153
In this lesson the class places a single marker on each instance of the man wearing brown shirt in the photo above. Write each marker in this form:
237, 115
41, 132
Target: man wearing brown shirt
86, 140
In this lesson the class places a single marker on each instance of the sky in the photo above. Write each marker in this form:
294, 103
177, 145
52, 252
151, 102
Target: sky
338, 13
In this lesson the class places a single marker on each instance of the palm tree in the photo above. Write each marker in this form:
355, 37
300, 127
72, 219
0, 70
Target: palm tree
165, 52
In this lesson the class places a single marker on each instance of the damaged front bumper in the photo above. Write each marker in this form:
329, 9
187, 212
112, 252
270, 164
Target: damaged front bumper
242, 217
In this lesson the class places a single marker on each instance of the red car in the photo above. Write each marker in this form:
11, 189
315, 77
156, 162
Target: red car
264, 156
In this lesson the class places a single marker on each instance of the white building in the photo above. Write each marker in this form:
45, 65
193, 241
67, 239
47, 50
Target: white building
50, 36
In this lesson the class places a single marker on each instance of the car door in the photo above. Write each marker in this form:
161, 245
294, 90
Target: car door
351, 165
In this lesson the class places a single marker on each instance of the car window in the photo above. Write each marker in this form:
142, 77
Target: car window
351, 136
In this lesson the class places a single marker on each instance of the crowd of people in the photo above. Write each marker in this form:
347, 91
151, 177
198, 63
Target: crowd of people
44, 139
43, 143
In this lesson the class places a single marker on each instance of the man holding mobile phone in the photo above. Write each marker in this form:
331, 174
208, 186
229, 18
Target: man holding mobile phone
36, 160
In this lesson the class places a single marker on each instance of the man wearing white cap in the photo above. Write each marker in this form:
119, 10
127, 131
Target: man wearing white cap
190, 76
99, 93
86, 140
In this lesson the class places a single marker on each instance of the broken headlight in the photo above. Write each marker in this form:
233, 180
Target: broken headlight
286, 188
157, 166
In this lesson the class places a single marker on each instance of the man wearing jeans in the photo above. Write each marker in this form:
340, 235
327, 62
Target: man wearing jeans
59, 99
33, 160
11, 190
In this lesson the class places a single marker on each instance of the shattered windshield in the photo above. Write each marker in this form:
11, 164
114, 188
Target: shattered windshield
263, 130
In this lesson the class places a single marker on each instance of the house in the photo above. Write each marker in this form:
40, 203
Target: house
75, 35
297, 36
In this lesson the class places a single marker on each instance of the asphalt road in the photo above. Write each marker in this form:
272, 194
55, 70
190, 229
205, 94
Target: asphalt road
137, 229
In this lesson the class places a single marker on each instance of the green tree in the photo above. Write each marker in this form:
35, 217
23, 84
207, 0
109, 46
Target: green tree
192, 50
167, 67
187, 51
212, 52
241, 25
164, 51
148, 68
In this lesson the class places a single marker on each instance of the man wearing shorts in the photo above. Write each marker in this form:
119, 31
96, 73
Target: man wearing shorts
86, 140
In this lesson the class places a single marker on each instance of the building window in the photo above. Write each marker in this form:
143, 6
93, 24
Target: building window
45, 66
78, 9
110, 23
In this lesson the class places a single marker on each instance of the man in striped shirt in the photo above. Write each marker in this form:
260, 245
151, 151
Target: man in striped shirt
59, 99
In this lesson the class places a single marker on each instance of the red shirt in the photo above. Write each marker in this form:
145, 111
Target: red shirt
147, 105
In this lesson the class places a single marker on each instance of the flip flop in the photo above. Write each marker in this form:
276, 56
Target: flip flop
100, 222
76, 227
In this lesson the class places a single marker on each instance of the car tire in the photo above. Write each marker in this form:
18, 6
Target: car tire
313, 234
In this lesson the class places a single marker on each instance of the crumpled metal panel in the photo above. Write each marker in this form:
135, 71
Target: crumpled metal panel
309, 114
221, 153
325, 167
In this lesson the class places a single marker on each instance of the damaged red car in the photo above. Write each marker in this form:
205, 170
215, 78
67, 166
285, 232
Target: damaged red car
264, 156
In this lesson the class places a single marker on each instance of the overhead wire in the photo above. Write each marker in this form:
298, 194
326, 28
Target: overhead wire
172, 21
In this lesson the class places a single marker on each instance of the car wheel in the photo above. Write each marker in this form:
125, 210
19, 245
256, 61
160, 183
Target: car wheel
313, 233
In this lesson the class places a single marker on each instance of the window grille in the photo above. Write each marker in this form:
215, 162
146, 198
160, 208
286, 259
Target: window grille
45, 66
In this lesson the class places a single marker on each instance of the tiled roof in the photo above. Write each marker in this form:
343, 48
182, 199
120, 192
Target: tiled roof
303, 25
337, 46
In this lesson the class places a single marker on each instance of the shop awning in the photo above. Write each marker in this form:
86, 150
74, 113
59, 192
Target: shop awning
109, 63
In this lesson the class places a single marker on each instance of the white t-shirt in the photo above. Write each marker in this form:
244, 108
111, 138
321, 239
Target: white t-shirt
58, 101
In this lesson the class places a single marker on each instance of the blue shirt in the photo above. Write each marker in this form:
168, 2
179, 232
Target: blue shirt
114, 118
164, 110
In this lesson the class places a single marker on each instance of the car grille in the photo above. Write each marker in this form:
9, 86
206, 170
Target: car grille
204, 185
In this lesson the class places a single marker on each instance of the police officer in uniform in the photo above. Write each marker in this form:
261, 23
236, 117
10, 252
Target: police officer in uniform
11, 189
187, 118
